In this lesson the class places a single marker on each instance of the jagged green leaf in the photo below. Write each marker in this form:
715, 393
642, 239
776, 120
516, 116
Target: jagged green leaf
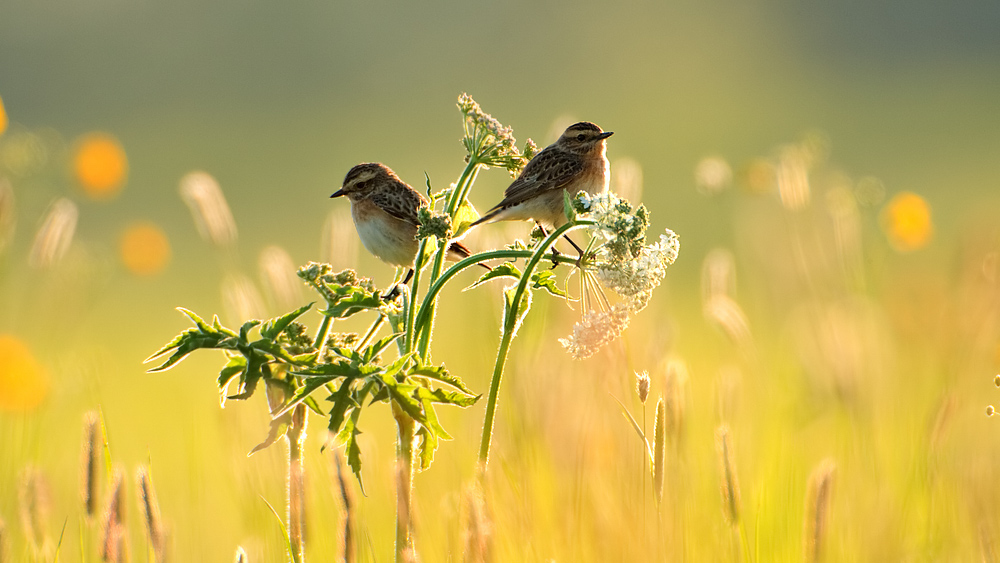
349, 300
174, 343
343, 401
428, 444
405, 396
340, 368
189, 343
507, 269
198, 321
311, 384
234, 366
246, 328
251, 376
546, 279
378, 347
274, 327
447, 397
440, 374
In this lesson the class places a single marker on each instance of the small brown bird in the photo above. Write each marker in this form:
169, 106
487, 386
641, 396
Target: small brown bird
575, 162
384, 209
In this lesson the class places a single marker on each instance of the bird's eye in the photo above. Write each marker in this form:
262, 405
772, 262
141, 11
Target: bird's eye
581, 137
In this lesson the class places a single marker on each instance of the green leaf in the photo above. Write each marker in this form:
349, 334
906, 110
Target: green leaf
568, 208
440, 374
274, 327
404, 395
197, 321
235, 365
190, 341
378, 347
507, 269
428, 444
430, 415
278, 351
447, 397
251, 376
637, 428
284, 532
310, 402
343, 401
173, 344
311, 384
392, 369
546, 279
349, 300
245, 329
465, 216
513, 315
280, 423
340, 368
349, 437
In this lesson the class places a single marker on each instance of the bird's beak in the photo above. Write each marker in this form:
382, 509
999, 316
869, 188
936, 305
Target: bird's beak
338, 193
605, 134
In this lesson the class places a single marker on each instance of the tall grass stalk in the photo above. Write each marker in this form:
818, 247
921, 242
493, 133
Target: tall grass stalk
296, 436
90, 450
151, 514
348, 539
817, 516
114, 539
659, 448
405, 428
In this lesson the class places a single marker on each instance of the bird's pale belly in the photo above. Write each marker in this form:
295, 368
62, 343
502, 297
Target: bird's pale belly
389, 239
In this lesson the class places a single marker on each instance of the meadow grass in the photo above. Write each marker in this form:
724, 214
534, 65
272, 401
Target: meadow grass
826, 403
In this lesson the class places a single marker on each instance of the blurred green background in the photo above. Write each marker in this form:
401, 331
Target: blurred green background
278, 100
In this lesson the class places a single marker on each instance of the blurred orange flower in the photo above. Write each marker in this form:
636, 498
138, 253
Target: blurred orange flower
144, 249
100, 165
3, 118
23, 383
906, 221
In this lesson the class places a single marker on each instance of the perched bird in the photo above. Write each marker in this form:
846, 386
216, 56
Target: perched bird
384, 209
575, 162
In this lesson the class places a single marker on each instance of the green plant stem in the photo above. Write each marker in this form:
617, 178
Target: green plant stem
473, 260
321, 334
372, 330
404, 482
458, 195
510, 323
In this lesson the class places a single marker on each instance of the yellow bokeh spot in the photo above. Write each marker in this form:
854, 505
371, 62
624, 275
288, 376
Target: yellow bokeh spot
906, 220
3, 117
23, 383
144, 249
100, 165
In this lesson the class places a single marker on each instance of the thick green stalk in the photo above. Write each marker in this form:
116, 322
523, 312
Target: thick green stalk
404, 480
473, 260
411, 304
458, 195
510, 323
321, 334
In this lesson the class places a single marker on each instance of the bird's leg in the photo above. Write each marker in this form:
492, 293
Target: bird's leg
394, 292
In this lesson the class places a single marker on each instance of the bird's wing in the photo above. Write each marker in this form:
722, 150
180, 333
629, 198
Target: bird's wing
402, 202
550, 170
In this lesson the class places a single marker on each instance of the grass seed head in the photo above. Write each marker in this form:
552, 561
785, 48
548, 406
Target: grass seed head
727, 469
89, 463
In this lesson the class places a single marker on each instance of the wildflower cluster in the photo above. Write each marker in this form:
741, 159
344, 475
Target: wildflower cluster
623, 263
433, 223
489, 142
